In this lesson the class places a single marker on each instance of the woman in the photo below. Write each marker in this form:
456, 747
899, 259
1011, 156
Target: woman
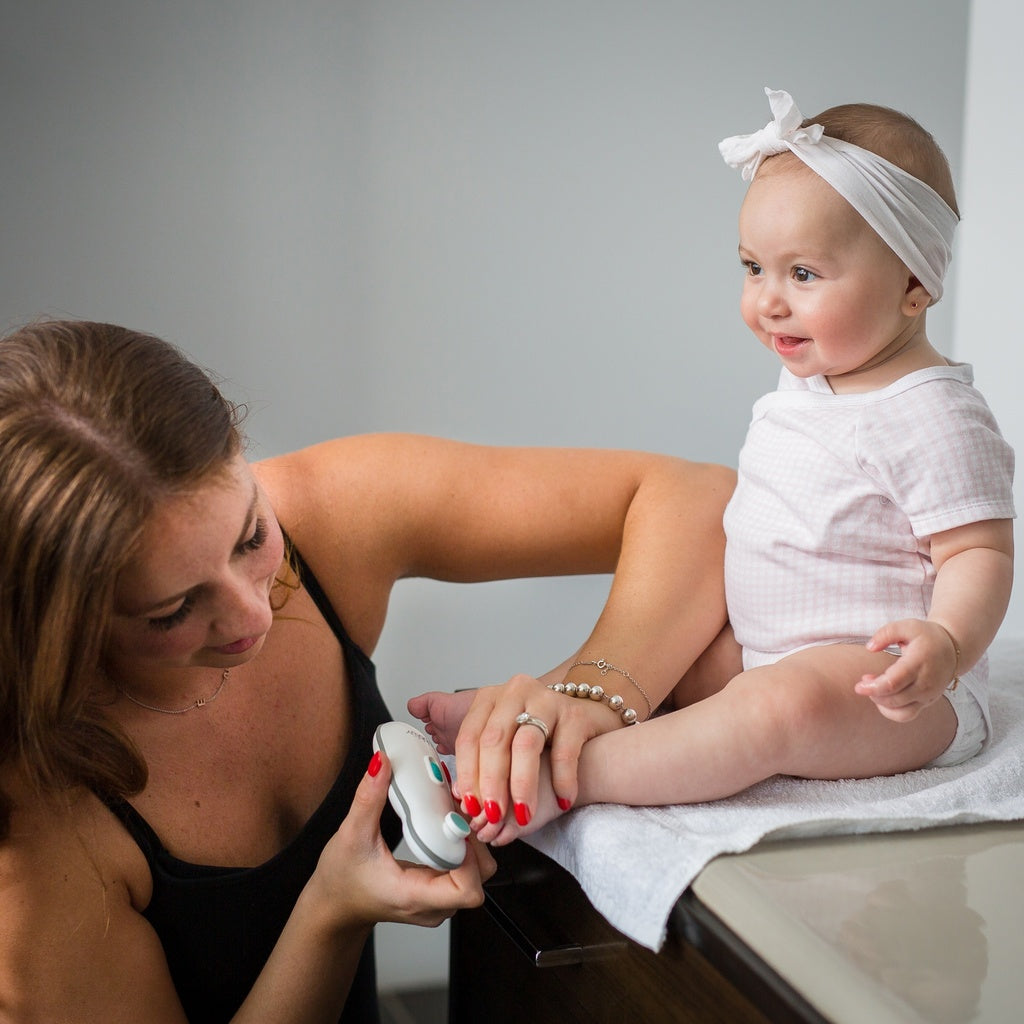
189, 829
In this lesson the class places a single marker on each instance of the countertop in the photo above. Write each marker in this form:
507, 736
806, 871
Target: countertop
897, 928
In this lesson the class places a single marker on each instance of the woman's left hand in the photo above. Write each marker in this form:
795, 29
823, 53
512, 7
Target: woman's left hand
500, 775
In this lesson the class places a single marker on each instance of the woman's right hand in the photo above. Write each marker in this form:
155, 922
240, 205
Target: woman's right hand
359, 882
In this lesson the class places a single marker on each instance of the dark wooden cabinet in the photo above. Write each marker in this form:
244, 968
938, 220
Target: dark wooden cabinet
537, 951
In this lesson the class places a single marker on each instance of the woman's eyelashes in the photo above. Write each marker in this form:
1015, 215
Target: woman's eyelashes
179, 615
258, 538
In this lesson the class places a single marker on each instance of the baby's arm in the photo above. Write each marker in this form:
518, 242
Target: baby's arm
974, 573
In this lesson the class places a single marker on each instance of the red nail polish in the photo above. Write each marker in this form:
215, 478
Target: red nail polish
472, 805
374, 766
564, 804
522, 814
493, 812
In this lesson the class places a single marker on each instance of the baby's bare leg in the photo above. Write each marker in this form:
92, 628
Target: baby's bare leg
720, 662
798, 717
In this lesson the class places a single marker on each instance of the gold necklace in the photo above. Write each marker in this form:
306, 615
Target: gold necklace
199, 702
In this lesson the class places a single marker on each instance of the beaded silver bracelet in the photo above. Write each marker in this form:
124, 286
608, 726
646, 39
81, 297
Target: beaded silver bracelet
613, 700
604, 668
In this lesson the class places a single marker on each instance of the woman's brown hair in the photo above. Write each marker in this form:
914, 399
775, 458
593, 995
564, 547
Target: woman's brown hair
97, 423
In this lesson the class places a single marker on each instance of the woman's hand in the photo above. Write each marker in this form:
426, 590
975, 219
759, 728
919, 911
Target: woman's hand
500, 776
360, 883
356, 884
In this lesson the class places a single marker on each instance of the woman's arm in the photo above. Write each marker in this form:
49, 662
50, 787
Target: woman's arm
73, 943
376, 508
665, 606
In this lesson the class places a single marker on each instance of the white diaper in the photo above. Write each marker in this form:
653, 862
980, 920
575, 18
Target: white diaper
971, 729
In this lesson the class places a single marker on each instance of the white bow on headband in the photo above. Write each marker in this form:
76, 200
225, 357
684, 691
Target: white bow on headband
909, 216
747, 151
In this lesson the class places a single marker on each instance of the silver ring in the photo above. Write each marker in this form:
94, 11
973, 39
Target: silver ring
527, 719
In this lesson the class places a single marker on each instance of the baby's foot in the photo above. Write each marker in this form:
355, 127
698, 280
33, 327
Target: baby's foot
442, 714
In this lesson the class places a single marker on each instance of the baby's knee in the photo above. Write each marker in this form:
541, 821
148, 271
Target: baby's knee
789, 708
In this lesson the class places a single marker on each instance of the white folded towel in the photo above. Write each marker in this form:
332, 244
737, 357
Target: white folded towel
635, 862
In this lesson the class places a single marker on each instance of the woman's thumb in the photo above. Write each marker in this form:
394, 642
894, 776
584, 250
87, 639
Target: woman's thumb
372, 793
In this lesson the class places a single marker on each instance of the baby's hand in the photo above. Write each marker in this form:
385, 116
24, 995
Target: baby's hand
927, 665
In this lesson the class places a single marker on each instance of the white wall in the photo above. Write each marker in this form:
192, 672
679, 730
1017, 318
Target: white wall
992, 206
498, 221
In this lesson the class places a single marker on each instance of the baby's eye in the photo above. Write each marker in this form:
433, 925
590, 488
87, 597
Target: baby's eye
803, 275
753, 269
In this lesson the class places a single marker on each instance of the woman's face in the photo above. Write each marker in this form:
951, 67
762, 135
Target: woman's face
197, 593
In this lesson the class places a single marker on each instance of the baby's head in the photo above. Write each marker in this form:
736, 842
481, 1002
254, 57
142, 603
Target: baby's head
882, 162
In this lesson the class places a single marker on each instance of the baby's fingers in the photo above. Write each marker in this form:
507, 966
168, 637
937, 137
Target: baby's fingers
906, 713
885, 685
895, 699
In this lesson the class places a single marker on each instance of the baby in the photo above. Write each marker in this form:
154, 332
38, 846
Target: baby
869, 551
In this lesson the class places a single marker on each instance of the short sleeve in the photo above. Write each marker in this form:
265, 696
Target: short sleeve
937, 452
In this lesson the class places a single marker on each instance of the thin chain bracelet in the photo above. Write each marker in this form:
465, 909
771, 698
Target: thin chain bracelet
613, 700
605, 668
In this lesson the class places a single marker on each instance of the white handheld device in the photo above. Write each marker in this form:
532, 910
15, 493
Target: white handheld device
421, 796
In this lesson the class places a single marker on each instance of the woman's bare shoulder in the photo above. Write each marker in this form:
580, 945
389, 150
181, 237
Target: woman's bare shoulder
344, 467
73, 941
334, 499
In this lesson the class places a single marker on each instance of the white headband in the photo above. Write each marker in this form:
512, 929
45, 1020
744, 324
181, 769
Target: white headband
908, 215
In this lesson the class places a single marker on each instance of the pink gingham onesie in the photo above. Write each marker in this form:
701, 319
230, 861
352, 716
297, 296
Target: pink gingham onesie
828, 530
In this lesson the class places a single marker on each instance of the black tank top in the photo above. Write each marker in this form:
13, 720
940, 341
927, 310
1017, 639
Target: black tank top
218, 925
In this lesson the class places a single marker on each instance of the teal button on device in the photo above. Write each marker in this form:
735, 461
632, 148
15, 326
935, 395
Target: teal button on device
455, 826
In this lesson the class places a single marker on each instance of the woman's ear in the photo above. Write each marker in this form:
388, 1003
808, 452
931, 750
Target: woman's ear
915, 300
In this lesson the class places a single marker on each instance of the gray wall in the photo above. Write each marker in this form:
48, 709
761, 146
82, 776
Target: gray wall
497, 221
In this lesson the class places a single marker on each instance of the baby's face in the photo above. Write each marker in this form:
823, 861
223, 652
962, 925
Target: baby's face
821, 289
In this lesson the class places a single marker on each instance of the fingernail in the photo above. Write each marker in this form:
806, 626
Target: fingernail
522, 814
493, 812
472, 805
564, 804
374, 766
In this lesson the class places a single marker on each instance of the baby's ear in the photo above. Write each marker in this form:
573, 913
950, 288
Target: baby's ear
915, 300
